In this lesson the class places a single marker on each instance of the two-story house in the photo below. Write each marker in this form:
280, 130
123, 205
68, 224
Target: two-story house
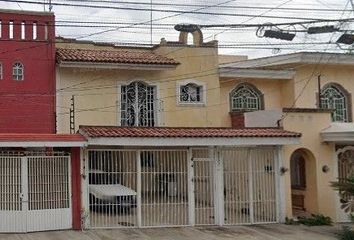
161, 150
309, 93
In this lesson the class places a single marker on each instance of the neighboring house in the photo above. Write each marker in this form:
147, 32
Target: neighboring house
27, 77
308, 93
35, 163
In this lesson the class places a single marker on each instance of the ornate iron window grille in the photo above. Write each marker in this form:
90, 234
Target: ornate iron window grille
138, 104
333, 98
190, 93
245, 98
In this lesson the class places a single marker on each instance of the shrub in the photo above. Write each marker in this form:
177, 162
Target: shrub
315, 220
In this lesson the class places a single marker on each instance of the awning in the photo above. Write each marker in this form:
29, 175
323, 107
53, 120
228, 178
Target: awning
168, 136
41, 140
339, 133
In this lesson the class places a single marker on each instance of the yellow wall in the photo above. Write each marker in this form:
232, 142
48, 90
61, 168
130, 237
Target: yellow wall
97, 102
97, 95
272, 90
342, 75
310, 125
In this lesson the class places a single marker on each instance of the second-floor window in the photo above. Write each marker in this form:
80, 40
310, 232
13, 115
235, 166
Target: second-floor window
246, 97
333, 96
138, 105
17, 71
191, 93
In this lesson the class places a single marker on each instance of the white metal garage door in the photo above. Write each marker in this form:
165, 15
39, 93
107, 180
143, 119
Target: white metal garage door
34, 192
179, 187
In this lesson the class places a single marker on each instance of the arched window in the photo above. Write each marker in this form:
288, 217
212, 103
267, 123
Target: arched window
17, 71
246, 97
334, 96
138, 105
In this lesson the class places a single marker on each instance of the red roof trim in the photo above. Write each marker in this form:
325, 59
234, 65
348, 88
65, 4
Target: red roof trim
182, 132
34, 137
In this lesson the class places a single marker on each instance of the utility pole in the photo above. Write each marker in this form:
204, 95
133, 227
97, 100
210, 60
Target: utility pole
319, 91
72, 115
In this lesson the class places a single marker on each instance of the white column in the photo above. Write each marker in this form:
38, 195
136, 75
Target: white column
24, 192
138, 187
280, 185
84, 188
191, 194
219, 187
250, 184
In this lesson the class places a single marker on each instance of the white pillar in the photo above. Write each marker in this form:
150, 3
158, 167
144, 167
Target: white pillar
191, 195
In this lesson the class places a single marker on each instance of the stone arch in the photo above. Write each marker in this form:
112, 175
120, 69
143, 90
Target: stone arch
197, 37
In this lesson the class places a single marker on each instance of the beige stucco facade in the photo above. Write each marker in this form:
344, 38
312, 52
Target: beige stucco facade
97, 90
97, 101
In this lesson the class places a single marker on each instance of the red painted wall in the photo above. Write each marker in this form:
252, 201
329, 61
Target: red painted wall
27, 106
76, 187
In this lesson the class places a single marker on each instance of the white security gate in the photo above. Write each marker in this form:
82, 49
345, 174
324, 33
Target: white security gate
345, 164
130, 188
204, 186
34, 193
249, 185
180, 187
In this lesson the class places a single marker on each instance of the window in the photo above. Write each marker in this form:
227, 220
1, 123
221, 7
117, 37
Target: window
23, 30
138, 104
246, 97
11, 29
298, 172
17, 71
34, 31
334, 96
191, 93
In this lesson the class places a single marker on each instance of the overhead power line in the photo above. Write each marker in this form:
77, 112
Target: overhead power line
166, 10
219, 7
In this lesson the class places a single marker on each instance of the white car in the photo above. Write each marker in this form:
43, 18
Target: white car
107, 194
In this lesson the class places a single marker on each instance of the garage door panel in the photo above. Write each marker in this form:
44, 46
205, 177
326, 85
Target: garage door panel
204, 186
34, 192
249, 185
263, 175
112, 188
164, 188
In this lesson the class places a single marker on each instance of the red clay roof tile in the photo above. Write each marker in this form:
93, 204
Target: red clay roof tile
168, 132
112, 56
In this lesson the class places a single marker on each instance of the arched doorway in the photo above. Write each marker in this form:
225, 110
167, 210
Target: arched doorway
303, 182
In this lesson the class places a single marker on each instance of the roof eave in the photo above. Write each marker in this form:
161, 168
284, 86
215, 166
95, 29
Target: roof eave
106, 65
191, 141
229, 72
293, 59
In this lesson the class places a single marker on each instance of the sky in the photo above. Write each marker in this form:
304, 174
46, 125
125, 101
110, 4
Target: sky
240, 41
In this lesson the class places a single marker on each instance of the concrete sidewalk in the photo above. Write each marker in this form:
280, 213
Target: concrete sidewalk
258, 232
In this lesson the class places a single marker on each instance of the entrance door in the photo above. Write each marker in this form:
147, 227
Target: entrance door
34, 193
12, 207
249, 186
204, 184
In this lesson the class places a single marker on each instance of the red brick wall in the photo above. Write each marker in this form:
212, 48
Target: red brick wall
237, 120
